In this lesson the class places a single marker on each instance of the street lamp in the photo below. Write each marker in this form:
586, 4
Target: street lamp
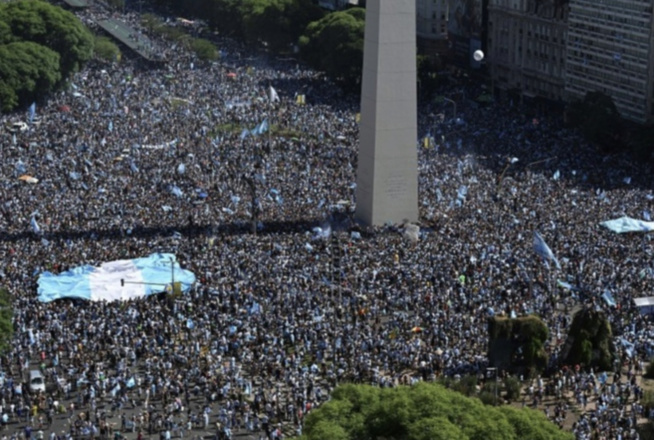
493, 371
142, 283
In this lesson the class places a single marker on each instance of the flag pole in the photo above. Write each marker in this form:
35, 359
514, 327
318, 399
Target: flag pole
270, 106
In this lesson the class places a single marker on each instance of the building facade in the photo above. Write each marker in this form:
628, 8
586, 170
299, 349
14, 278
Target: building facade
610, 50
431, 26
526, 46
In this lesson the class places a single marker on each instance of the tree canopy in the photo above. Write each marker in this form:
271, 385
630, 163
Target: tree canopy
426, 411
277, 23
334, 44
204, 49
40, 46
26, 69
517, 345
106, 50
590, 341
598, 120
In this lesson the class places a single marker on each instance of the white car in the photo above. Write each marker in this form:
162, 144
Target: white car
37, 381
17, 127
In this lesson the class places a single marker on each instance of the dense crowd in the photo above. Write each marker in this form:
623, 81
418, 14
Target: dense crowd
133, 160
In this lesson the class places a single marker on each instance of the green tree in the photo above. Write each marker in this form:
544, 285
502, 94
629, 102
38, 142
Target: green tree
513, 388
517, 345
532, 425
267, 21
649, 371
598, 120
325, 430
205, 50
106, 50
435, 428
640, 140
150, 21
116, 5
52, 27
426, 411
27, 71
589, 341
427, 77
334, 44
226, 16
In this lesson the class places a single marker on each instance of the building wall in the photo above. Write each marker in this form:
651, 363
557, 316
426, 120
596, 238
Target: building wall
526, 47
610, 50
431, 18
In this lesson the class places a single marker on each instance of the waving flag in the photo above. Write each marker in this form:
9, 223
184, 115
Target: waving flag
32, 112
35, 226
543, 250
260, 129
272, 95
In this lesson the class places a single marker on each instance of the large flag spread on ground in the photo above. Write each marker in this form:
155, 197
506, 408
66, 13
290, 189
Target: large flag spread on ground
543, 250
272, 94
628, 224
116, 280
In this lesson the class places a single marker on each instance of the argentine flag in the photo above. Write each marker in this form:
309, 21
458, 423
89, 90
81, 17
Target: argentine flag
115, 280
543, 250
35, 226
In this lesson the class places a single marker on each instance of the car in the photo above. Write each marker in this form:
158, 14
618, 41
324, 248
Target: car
17, 127
37, 381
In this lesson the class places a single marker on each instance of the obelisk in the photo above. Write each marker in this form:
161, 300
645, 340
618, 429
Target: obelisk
387, 174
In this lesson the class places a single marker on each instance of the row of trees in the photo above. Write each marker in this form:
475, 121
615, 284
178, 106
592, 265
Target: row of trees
518, 344
277, 23
599, 121
205, 50
40, 46
426, 411
330, 42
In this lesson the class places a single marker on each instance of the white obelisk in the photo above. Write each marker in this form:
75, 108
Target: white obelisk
387, 174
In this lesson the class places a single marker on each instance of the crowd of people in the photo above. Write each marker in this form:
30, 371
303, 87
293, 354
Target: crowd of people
132, 160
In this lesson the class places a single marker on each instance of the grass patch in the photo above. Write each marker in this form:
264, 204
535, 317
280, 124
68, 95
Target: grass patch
176, 103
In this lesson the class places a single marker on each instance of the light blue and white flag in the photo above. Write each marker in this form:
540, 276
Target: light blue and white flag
115, 280
245, 133
260, 129
543, 250
35, 226
628, 347
254, 309
111, 126
608, 298
174, 190
32, 112
628, 224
